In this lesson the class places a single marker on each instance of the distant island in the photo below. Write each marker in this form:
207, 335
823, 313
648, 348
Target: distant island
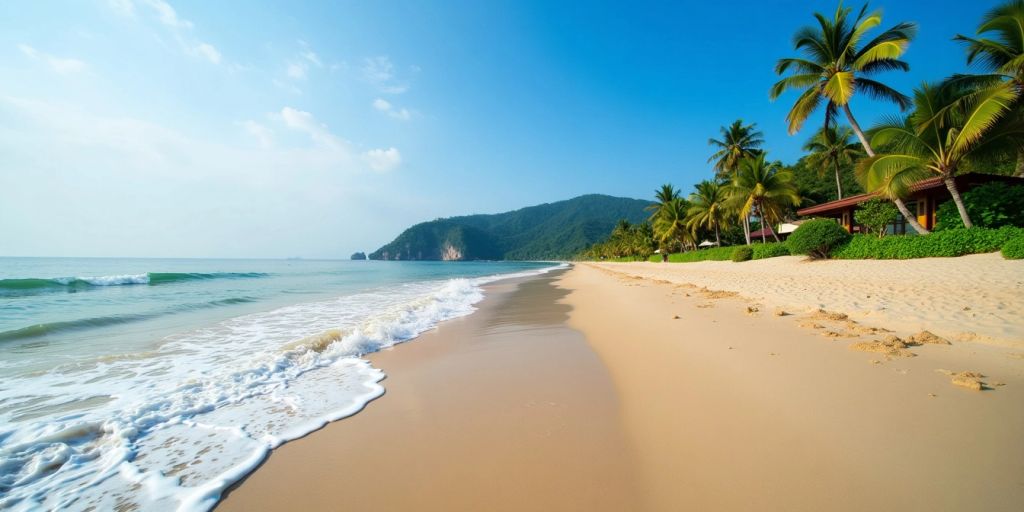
359, 256
548, 231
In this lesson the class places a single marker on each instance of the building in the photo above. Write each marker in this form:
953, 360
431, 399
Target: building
925, 196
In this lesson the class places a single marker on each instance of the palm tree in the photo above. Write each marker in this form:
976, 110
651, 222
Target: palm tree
836, 66
999, 49
830, 149
663, 196
946, 127
763, 189
739, 141
709, 208
670, 224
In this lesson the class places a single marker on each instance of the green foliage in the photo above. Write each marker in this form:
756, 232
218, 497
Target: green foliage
954, 242
628, 242
712, 254
877, 213
769, 250
814, 189
816, 238
991, 205
557, 230
742, 253
1014, 248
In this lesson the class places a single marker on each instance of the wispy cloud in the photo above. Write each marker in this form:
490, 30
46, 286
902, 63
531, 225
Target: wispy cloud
383, 160
298, 68
385, 106
380, 72
60, 65
264, 135
180, 27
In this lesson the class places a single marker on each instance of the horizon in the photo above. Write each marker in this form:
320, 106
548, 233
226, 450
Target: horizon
169, 130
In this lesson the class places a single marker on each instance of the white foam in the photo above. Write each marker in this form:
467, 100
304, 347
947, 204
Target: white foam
175, 428
107, 280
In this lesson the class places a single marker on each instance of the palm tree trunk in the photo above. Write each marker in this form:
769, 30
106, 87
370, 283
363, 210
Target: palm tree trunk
953, 191
839, 185
718, 238
912, 220
746, 228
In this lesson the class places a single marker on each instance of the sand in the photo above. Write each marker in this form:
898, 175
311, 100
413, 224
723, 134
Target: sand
598, 390
978, 298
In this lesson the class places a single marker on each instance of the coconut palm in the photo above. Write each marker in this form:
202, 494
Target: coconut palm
670, 224
663, 196
946, 127
830, 149
738, 141
709, 208
999, 50
763, 189
836, 65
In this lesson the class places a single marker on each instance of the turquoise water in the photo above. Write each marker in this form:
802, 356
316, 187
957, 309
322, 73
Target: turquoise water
117, 375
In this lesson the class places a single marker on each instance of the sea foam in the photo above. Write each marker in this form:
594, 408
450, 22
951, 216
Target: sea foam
171, 429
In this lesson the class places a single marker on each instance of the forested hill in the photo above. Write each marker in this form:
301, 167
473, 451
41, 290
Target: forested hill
548, 231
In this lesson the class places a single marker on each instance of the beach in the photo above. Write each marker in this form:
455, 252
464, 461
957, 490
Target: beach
654, 387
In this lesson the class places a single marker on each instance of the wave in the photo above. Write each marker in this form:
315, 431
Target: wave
34, 331
33, 285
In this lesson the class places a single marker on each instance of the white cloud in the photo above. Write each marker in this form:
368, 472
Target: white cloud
380, 72
303, 121
167, 15
207, 50
383, 160
60, 65
308, 54
261, 133
389, 109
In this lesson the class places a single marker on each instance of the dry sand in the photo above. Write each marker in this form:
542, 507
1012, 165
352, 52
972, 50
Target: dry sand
971, 298
676, 399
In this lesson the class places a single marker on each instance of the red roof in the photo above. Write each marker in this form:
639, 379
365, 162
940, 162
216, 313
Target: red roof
927, 184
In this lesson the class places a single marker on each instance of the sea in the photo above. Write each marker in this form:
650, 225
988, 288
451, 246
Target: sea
155, 384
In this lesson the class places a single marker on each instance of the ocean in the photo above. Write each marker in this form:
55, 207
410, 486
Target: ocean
155, 384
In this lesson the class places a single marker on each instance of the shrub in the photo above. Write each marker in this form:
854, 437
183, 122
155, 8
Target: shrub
955, 242
991, 205
1014, 248
816, 238
875, 214
762, 251
742, 253
712, 254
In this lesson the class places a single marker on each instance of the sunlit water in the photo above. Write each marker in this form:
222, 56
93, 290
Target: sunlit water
155, 384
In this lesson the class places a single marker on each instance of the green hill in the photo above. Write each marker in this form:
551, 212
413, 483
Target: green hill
548, 231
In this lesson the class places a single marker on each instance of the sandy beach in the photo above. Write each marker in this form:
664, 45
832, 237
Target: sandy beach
689, 387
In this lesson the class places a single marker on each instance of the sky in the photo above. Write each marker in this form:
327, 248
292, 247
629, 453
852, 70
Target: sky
174, 128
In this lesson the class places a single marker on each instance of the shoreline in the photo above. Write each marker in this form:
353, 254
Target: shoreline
596, 388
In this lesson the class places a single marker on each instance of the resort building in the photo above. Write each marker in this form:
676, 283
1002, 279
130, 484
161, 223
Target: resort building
925, 196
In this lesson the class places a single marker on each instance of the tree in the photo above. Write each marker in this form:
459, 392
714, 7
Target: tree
831, 149
835, 66
664, 195
999, 50
670, 225
709, 208
875, 215
763, 189
947, 126
738, 141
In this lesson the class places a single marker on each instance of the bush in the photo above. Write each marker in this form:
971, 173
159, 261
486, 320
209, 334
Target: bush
712, 254
762, 251
991, 205
742, 253
1014, 248
816, 238
955, 242
875, 215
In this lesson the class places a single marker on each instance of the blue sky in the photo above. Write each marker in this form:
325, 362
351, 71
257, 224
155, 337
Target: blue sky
235, 129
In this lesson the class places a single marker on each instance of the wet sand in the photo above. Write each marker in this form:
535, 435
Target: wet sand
506, 409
